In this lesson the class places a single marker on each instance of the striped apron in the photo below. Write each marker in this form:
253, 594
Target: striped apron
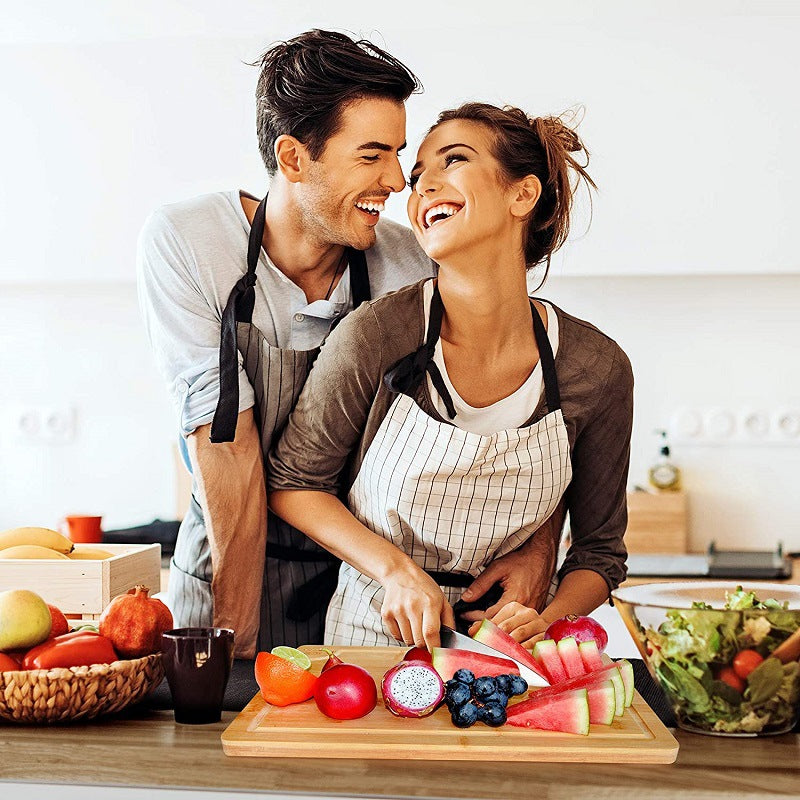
299, 576
452, 500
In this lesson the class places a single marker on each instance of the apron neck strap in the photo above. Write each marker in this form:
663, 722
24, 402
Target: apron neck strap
406, 376
552, 394
239, 308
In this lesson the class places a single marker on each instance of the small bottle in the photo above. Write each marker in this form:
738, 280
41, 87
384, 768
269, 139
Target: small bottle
664, 475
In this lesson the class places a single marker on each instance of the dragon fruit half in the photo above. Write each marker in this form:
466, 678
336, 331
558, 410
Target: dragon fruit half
412, 689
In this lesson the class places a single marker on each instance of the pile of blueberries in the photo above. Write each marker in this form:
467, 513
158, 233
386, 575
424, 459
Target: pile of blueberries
470, 699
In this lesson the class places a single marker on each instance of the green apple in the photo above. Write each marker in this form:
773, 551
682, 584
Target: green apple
25, 619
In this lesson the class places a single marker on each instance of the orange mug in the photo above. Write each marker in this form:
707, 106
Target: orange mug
84, 530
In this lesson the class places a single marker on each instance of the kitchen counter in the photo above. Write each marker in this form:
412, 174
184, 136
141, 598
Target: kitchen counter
147, 749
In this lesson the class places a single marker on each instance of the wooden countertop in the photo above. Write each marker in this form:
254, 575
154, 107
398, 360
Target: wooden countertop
147, 749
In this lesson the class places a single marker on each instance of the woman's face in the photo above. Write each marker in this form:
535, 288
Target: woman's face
459, 199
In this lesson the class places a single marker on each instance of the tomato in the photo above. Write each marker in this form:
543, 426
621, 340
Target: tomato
727, 675
8, 664
76, 649
745, 661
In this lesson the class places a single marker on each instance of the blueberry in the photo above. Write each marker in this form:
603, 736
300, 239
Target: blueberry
518, 685
493, 714
498, 698
503, 684
465, 716
464, 676
483, 687
457, 695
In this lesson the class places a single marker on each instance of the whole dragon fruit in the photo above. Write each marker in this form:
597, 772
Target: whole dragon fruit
412, 689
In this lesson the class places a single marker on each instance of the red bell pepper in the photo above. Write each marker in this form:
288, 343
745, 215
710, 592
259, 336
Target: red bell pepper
76, 649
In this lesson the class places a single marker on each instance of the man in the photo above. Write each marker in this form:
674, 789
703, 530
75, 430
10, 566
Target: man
237, 297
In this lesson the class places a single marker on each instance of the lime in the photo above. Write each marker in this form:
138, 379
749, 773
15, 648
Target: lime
291, 654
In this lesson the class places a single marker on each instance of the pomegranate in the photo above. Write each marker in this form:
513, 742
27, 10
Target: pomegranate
584, 629
345, 691
134, 622
418, 654
412, 689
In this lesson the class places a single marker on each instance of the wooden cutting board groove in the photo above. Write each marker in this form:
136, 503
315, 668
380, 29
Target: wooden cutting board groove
302, 731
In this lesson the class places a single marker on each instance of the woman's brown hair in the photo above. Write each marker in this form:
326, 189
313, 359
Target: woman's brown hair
540, 146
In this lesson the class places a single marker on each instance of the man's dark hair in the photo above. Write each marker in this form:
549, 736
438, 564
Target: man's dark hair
306, 83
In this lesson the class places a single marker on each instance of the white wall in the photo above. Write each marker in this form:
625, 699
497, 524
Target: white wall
696, 341
692, 119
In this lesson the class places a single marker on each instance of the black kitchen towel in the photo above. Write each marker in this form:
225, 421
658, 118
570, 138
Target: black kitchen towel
242, 687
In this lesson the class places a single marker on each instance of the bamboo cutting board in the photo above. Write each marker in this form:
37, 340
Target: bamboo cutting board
302, 731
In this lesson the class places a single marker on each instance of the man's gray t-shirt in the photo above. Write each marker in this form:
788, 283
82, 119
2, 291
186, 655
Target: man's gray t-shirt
190, 255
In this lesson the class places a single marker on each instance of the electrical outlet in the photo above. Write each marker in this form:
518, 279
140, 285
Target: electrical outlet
40, 424
718, 425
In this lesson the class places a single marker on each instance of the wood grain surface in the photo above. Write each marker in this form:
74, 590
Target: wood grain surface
302, 731
150, 750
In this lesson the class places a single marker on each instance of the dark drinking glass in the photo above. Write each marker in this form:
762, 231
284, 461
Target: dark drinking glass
198, 663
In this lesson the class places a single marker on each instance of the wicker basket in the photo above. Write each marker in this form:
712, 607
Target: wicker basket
64, 695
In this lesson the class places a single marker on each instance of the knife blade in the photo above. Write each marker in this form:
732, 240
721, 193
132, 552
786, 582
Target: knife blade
454, 639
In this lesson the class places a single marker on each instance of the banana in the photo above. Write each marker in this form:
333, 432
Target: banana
90, 555
43, 537
28, 551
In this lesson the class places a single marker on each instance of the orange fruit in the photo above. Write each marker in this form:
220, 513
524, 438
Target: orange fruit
282, 682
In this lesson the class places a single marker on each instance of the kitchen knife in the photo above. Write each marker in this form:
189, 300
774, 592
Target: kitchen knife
454, 639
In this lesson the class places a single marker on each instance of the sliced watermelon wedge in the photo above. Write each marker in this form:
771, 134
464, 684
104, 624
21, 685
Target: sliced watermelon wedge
494, 636
546, 654
567, 712
590, 655
626, 671
591, 681
570, 656
448, 660
602, 703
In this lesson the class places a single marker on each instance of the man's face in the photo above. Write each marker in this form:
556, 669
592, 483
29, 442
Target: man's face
345, 189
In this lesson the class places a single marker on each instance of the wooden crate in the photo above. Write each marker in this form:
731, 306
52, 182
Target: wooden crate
657, 523
86, 587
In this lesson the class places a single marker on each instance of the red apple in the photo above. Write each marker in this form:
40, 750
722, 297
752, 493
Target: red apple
345, 691
333, 660
59, 622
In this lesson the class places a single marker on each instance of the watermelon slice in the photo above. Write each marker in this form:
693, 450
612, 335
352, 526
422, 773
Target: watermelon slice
546, 654
591, 681
570, 656
567, 712
448, 660
495, 637
626, 671
590, 655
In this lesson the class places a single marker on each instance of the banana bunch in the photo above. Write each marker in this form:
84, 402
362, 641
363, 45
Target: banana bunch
27, 543
43, 543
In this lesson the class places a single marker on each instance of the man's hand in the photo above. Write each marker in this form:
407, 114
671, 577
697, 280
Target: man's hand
523, 624
525, 574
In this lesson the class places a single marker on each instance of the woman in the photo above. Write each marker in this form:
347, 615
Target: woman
456, 413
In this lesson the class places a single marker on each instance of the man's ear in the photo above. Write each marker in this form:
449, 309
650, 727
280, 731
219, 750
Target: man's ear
526, 195
292, 157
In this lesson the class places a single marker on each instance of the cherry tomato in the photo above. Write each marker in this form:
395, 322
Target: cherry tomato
727, 675
8, 664
745, 661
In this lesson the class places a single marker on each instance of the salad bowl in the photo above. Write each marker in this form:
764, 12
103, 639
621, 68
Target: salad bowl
724, 654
